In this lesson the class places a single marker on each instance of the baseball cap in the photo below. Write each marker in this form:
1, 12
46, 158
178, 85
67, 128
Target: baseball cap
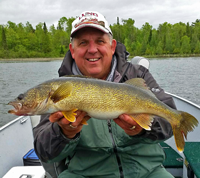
90, 19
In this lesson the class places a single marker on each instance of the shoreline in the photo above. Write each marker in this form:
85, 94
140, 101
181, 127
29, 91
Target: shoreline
171, 55
31, 59
46, 59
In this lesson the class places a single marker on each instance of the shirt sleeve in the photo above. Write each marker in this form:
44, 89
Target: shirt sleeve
49, 142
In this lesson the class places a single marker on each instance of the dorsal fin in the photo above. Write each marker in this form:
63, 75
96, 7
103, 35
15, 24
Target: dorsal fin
138, 82
79, 76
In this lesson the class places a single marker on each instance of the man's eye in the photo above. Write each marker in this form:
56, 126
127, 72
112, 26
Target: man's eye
100, 41
82, 42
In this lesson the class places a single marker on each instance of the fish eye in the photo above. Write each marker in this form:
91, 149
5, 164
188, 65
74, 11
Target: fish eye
20, 97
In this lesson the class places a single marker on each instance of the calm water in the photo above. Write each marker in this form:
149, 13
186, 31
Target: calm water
179, 76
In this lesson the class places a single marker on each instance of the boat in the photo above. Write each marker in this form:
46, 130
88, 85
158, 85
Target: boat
16, 140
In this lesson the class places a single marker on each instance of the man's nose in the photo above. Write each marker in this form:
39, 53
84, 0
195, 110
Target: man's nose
92, 48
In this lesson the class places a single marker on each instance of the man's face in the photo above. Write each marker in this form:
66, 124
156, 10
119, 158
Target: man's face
92, 52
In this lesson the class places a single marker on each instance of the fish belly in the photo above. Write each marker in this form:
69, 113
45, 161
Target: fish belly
104, 115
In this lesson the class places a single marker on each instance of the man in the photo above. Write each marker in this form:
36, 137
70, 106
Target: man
117, 148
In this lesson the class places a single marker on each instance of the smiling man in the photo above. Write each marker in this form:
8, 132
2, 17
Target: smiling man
92, 51
117, 148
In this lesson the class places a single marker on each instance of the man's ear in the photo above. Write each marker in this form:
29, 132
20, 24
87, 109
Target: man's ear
71, 50
114, 44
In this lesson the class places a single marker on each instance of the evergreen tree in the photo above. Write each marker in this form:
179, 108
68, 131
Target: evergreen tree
46, 42
45, 28
4, 43
20, 40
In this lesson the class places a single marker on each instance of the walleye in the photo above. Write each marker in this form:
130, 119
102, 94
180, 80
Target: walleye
103, 100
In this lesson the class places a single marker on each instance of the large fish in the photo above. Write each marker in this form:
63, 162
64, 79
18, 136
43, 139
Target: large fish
103, 100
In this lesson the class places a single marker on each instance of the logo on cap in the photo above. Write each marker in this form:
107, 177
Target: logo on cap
91, 19
87, 19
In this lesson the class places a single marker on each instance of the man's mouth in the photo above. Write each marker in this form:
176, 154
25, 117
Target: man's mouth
93, 60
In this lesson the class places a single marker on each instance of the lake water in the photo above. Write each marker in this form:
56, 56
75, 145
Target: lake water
180, 76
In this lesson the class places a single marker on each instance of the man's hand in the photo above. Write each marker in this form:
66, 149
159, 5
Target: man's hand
69, 129
128, 125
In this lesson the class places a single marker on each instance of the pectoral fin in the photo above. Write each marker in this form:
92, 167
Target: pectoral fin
84, 122
62, 92
70, 115
144, 120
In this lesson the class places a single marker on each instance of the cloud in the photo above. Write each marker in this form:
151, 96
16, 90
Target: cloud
154, 12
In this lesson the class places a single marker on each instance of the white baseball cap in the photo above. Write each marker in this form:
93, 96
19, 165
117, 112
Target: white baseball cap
90, 19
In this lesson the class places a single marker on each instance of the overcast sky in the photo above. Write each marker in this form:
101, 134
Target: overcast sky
154, 12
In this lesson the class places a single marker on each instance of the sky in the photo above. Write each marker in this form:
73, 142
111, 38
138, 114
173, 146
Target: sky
154, 12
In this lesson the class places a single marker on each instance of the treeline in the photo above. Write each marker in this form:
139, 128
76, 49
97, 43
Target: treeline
177, 39
23, 41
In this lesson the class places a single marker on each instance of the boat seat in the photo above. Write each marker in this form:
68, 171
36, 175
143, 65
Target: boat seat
173, 162
192, 159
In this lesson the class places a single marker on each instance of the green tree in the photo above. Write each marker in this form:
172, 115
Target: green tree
185, 45
12, 39
194, 41
148, 50
127, 43
60, 41
62, 23
154, 41
197, 48
52, 30
128, 30
39, 35
69, 25
159, 48
19, 40
188, 30
3, 41
194, 23
177, 34
146, 34
137, 51
117, 31
11, 25
46, 42
29, 28
165, 36
169, 45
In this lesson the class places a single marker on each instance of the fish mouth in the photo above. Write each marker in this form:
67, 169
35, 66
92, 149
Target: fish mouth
17, 108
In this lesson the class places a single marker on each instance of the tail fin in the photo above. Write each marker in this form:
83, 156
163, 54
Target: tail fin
187, 124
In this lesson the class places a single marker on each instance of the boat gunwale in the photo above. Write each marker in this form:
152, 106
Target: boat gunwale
13, 121
185, 100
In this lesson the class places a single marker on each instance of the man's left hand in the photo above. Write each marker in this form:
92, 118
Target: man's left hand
128, 125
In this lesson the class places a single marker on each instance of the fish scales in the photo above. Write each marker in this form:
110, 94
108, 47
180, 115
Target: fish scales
103, 100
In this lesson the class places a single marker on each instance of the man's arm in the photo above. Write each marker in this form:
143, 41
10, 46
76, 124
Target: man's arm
161, 128
55, 137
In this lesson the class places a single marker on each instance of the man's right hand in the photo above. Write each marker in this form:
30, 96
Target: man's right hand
69, 129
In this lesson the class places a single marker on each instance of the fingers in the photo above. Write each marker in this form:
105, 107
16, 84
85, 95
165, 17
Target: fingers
56, 116
69, 129
126, 119
128, 125
79, 117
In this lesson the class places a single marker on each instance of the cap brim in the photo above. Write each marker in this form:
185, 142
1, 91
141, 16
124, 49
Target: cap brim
93, 26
